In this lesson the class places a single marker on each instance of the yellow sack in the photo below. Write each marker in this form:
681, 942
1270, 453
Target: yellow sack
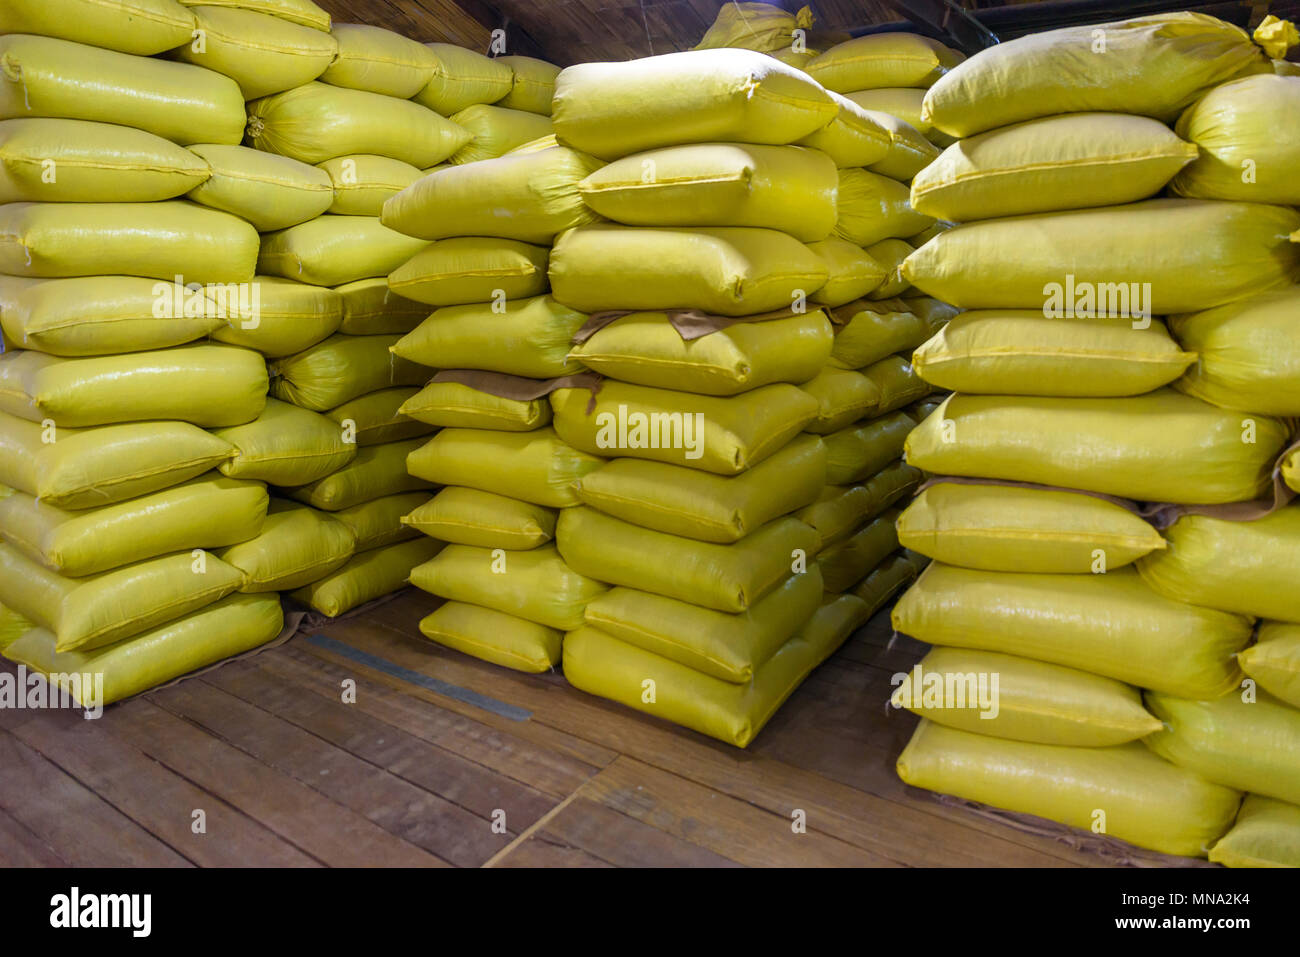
1246, 351
263, 54
366, 576
1148, 802
902, 102
375, 471
232, 626
1249, 745
860, 451
370, 308
468, 516
843, 397
1057, 162
599, 664
1152, 66
462, 78
494, 636
891, 253
754, 26
646, 349
852, 270
297, 546
874, 207
532, 466
909, 151
455, 405
1159, 447
525, 196
870, 331
699, 505
155, 240
853, 138
1246, 567
340, 369
361, 183
92, 163
295, 11
613, 109
535, 585
289, 317
845, 564
724, 577
883, 60
896, 383
208, 385
529, 338
729, 271
60, 79
286, 445
1111, 624
1018, 352
730, 647
985, 692
82, 468
379, 61
204, 512
377, 417
143, 27
1002, 528
496, 131
884, 581
316, 122
473, 269
97, 315
533, 84
333, 250
1267, 834
720, 184
271, 192
379, 521
720, 435
101, 609
1274, 660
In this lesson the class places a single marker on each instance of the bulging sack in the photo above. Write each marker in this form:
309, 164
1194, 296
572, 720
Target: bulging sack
613, 109
858, 452
883, 60
496, 131
1274, 660
375, 471
458, 405
872, 207
1159, 447
340, 369
143, 27
469, 516
533, 84
363, 182
366, 576
1148, 801
730, 271
271, 192
333, 250
289, 317
1266, 834
494, 636
379, 61
296, 546
1112, 624
463, 77
286, 445
1152, 66
1004, 528
473, 269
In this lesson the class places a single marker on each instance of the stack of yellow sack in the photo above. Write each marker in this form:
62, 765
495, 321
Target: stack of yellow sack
1079, 421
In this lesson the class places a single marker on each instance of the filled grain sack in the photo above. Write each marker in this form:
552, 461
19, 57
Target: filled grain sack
379, 521
362, 182
858, 452
494, 636
366, 576
263, 54
286, 445
724, 435
1007, 528
909, 151
377, 417
1018, 352
43, 77
872, 207
82, 468
208, 384
525, 196
1159, 447
462, 78
1274, 660
496, 131
852, 138
723, 577
1247, 356
374, 471
730, 271
1057, 162
472, 269
1112, 624
703, 506
316, 122
1147, 801
720, 184
340, 369
845, 563
77, 161
1016, 262
613, 109
532, 466
843, 396
379, 61
532, 86
100, 609
1152, 66
332, 250
883, 60
205, 512
986, 692
304, 12
867, 332
525, 337
470, 516
154, 240
646, 348
289, 317
232, 626
370, 308
475, 404
852, 272
271, 192
143, 27
1266, 834
296, 546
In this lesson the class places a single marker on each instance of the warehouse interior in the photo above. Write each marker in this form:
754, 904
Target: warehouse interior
649, 433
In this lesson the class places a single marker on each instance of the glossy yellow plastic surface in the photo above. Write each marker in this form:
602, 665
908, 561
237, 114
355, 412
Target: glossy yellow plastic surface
871, 331
379, 61
340, 369
291, 316
846, 563
496, 131
271, 192
1267, 834
852, 270
455, 405
860, 451
473, 269
470, 516
843, 396
494, 636
263, 54
377, 417
379, 521
883, 60
463, 77
143, 27
370, 308
286, 445
375, 470
362, 182
366, 576
1274, 660
297, 546
853, 138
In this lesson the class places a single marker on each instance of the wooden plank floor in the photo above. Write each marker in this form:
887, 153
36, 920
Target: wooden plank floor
443, 760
